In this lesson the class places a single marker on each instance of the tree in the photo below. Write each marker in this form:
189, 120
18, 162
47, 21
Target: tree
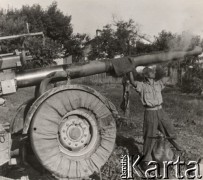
104, 45
56, 27
34, 15
141, 48
126, 36
118, 38
11, 24
164, 41
192, 80
74, 46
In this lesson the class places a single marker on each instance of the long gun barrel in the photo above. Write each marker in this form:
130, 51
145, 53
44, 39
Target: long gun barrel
34, 77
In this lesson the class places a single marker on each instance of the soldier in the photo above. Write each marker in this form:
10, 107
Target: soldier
154, 116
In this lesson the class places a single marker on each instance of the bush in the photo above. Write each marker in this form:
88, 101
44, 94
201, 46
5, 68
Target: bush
192, 81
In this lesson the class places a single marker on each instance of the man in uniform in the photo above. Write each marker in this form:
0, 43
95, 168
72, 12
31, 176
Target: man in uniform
154, 116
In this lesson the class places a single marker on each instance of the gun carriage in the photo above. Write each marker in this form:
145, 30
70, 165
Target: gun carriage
72, 128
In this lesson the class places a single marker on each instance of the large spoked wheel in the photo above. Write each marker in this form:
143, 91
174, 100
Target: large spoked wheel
72, 131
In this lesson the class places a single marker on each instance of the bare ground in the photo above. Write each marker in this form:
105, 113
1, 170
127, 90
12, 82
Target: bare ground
186, 113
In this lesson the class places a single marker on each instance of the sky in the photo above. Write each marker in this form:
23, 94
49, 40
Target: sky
153, 16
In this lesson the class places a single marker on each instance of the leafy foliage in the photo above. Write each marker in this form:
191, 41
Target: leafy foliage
104, 45
74, 46
56, 24
56, 27
34, 15
143, 48
115, 39
192, 81
163, 41
127, 35
167, 41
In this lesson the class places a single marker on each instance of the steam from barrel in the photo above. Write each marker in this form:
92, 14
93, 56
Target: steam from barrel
148, 59
34, 77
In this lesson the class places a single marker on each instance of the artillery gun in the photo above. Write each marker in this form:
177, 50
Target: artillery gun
72, 128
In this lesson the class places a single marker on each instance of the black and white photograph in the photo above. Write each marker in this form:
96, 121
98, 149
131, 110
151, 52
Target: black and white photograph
101, 90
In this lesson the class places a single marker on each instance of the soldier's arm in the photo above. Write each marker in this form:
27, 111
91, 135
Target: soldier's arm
138, 86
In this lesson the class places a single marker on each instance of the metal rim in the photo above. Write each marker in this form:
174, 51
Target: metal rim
84, 122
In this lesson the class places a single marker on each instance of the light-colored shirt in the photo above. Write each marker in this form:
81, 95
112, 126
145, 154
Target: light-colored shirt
150, 93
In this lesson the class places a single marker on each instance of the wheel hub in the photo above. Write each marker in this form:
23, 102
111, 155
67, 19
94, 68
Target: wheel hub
74, 132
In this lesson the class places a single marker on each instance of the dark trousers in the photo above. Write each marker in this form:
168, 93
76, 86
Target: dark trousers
155, 120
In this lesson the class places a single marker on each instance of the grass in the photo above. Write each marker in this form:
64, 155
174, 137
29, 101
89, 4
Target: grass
185, 111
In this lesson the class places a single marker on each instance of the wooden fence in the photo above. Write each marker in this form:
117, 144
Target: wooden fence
98, 79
